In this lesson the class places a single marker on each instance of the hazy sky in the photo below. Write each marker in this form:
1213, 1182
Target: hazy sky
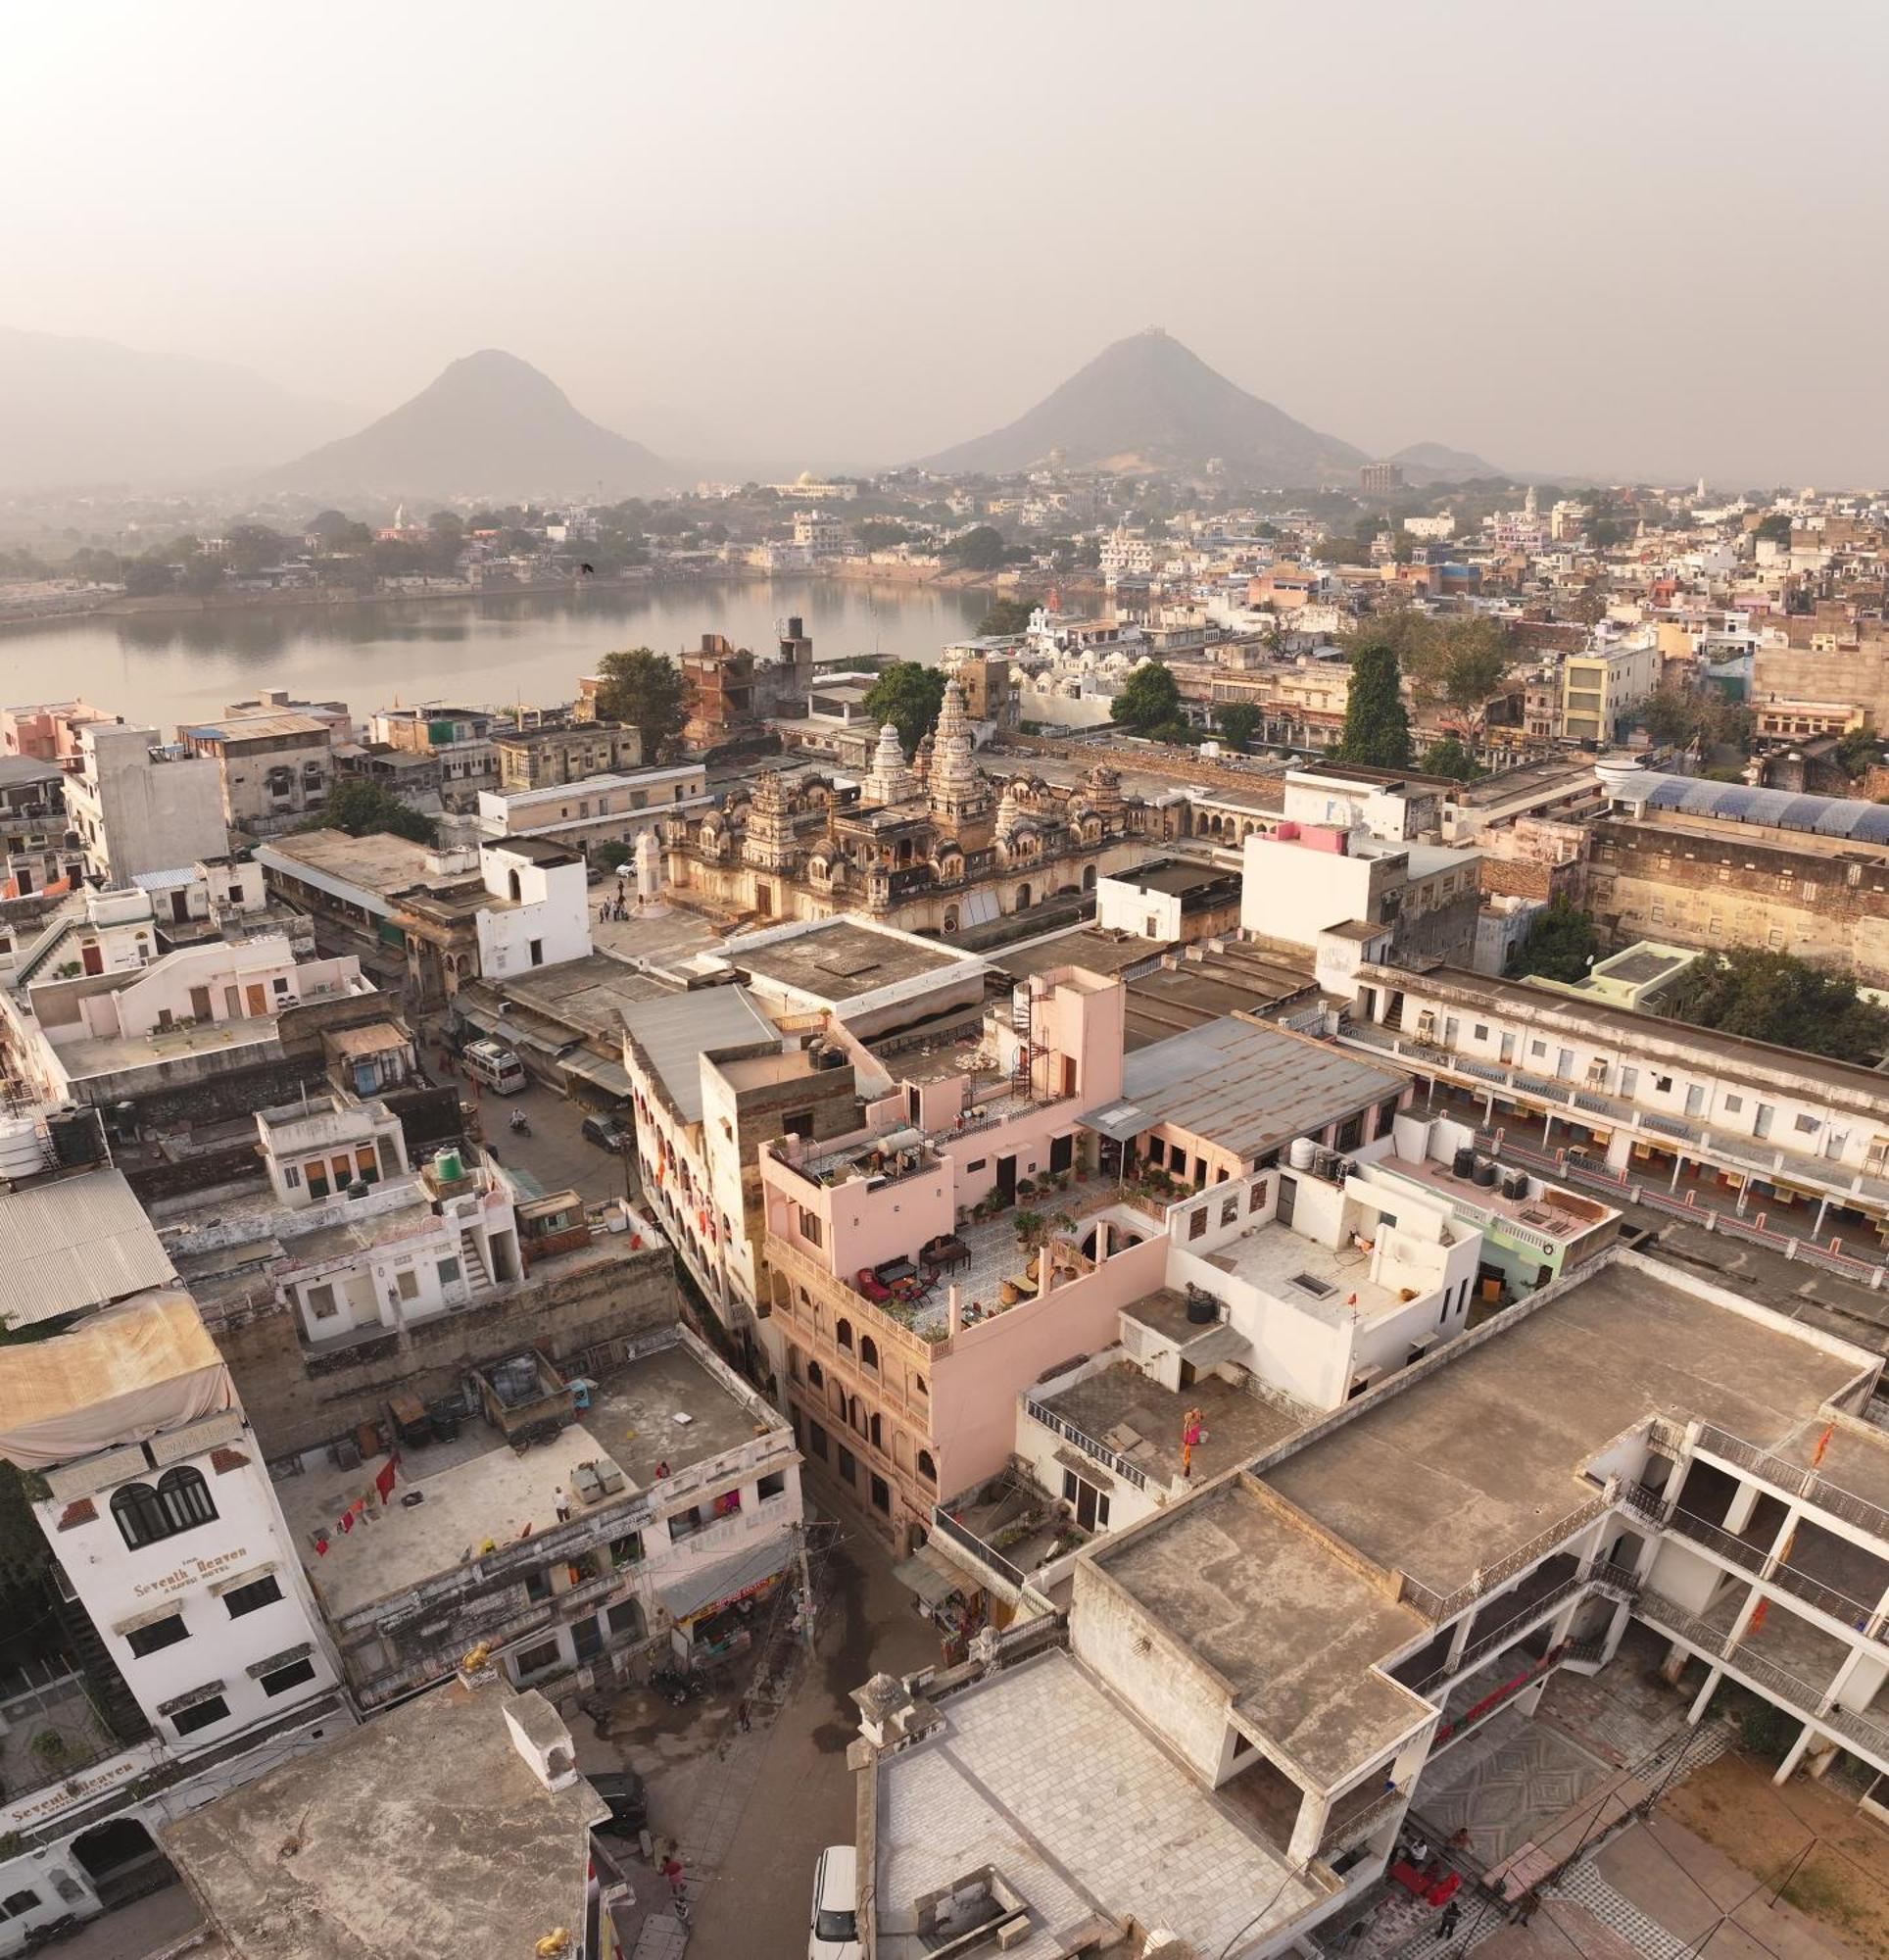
1634, 236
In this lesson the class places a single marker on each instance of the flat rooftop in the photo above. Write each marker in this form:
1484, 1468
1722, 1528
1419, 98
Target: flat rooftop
1178, 880
379, 862
1122, 1399
1013, 1779
1293, 1627
1325, 1283
1085, 946
475, 1488
838, 958
678, 1030
461, 1827
90, 1057
1484, 1452
1244, 1086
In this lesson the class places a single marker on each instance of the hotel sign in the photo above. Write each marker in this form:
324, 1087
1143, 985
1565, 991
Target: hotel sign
192, 1572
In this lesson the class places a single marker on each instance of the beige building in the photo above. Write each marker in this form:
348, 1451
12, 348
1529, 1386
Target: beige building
535, 758
275, 769
1600, 685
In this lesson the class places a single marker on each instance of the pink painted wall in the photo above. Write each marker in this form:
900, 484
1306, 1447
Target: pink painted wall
861, 1227
975, 1387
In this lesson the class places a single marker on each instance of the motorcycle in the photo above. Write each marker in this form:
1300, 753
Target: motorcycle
519, 1124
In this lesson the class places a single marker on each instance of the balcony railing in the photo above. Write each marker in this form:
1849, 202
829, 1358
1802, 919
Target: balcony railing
1348, 1831
1110, 1459
969, 1541
1734, 1551
1794, 1478
1598, 1575
1441, 1607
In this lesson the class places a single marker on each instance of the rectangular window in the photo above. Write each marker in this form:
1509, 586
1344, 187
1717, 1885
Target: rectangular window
318, 1177
1230, 1212
204, 1714
816, 1441
533, 1660
291, 1178
1733, 1103
627, 1551
537, 953
773, 1485
320, 1299
285, 1678
406, 1283
881, 1495
1629, 1081
972, 1169
149, 1640
848, 1464
251, 1599
368, 1164
1197, 1222
811, 1227
1808, 1126
684, 1524
15, 1904
449, 1272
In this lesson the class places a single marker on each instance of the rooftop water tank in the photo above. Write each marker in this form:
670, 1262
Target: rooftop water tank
20, 1155
1302, 1154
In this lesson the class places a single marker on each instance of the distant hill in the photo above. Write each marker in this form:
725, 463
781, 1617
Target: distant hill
1436, 463
89, 412
492, 425
1148, 402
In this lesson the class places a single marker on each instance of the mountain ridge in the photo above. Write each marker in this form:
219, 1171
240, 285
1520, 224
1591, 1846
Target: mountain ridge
1148, 401
488, 424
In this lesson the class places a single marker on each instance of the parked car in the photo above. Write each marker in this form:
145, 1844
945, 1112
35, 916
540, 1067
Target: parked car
494, 1064
622, 1790
836, 1905
607, 1133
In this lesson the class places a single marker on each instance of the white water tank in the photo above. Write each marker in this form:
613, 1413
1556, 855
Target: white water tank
19, 1151
1302, 1154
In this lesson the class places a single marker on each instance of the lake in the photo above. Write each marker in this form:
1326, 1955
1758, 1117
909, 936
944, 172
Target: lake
163, 668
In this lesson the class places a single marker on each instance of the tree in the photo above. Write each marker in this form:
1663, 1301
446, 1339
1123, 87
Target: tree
1670, 714
1775, 997
980, 548
1775, 528
908, 695
1377, 728
642, 689
1239, 721
1149, 702
878, 533
1477, 653
1450, 757
361, 809
1857, 752
335, 528
1561, 944
1005, 616
252, 546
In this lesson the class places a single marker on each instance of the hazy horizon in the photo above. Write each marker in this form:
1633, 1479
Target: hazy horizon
1609, 240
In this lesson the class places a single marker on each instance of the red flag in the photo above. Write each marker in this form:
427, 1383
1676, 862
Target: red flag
384, 1479
321, 1544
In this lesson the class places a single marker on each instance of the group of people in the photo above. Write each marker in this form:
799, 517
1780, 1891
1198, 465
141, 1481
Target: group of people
612, 909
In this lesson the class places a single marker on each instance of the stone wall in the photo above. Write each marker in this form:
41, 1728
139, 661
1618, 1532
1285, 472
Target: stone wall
298, 1400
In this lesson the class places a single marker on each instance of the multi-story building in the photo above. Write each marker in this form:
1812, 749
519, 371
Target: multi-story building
598, 809
1711, 865
1379, 480
37, 851
818, 533
535, 758
458, 740
138, 807
275, 769
1769, 1131
1600, 685
181, 1650
1314, 1634
49, 731
667, 1496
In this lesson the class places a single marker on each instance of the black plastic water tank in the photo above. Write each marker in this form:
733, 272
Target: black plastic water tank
1463, 1164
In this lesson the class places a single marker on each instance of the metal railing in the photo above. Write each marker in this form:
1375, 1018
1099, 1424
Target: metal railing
1855, 1614
1794, 1478
1346, 1832
968, 1540
1110, 1459
1438, 1606
1598, 1575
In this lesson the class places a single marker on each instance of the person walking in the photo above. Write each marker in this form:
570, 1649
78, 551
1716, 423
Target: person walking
740, 1713
563, 1505
1446, 1926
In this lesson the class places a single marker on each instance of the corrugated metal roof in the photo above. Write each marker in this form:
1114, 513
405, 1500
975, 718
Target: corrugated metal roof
677, 1031
73, 1243
1240, 1086
1781, 809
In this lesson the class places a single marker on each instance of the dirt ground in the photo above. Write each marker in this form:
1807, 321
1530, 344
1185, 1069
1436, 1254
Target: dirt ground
1843, 1881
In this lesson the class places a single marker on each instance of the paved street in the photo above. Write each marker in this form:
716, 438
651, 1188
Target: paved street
556, 1153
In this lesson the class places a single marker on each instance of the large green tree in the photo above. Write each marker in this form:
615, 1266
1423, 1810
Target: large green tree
1376, 727
644, 690
1776, 527
1149, 702
360, 809
1451, 757
980, 548
908, 695
1005, 616
1775, 997
1239, 721
1561, 944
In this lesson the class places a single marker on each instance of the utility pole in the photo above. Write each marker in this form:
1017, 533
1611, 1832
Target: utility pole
807, 1585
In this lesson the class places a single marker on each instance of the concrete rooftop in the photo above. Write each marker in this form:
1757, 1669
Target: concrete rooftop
840, 959
1040, 1772
1294, 1626
423, 1832
1488, 1449
1238, 1426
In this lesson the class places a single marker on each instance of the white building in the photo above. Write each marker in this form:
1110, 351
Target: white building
545, 917
140, 807
818, 533
598, 809
187, 1624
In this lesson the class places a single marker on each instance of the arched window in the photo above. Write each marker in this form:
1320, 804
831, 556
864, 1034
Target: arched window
868, 1351
927, 1469
840, 1402
1023, 898
951, 918
815, 1375
180, 1503
856, 1415
842, 1333
918, 1385
517, 887
1089, 877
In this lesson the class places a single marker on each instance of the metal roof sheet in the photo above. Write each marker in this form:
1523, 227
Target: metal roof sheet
677, 1031
1781, 809
73, 1244
1242, 1086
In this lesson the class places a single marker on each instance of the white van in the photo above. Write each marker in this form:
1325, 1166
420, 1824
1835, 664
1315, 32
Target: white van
835, 1932
495, 1066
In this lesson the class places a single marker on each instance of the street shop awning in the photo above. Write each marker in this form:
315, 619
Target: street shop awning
599, 1072
932, 1576
729, 1579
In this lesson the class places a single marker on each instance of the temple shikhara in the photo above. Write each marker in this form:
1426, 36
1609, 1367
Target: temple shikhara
929, 845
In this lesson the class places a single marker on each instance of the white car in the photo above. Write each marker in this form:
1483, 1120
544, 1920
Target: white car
836, 1905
